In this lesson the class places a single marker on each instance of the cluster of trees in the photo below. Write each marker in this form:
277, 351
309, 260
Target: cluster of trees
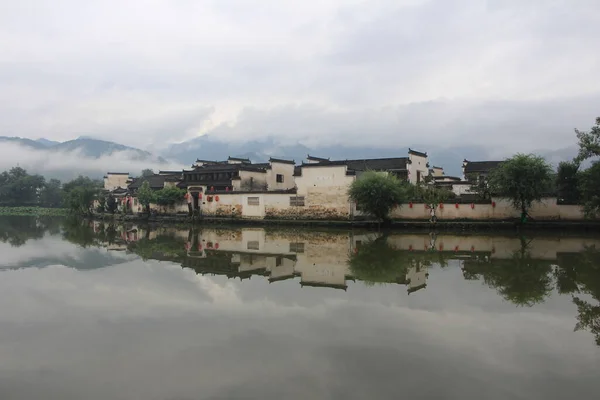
19, 188
523, 178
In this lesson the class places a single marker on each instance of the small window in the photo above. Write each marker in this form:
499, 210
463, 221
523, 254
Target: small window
297, 201
296, 247
279, 178
278, 261
253, 245
253, 201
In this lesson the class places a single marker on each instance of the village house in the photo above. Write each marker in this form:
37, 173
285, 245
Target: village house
478, 169
115, 180
239, 174
322, 185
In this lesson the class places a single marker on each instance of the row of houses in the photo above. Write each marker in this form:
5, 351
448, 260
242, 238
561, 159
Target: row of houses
319, 184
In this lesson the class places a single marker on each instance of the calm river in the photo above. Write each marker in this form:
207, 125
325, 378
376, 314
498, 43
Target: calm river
92, 311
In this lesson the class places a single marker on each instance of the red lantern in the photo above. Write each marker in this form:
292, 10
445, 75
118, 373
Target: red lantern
227, 189
441, 206
410, 248
456, 205
199, 196
410, 204
493, 204
216, 245
217, 198
199, 246
441, 247
212, 188
455, 248
472, 205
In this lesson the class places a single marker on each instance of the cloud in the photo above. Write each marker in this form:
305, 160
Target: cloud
147, 73
68, 165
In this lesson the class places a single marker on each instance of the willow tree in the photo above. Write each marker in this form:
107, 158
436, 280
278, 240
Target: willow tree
524, 179
377, 193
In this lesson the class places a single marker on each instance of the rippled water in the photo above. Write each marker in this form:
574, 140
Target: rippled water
93, 311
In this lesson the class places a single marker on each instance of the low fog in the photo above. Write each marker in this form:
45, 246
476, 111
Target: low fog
68, 165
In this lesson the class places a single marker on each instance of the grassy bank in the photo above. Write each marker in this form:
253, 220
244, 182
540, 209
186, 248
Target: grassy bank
34, 211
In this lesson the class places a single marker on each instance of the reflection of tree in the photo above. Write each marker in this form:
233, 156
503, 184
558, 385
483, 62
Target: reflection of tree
163, 247
520, 279
378, 262
18, 230
580, 273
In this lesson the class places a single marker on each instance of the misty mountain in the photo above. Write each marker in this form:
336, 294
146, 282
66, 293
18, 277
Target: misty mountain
46, 142
206, 147
82, 156
84, 146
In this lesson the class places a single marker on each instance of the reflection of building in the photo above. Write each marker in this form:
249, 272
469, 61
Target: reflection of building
316, 260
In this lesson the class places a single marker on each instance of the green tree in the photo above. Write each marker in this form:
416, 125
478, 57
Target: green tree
18, 188
589, 185
146, 196
79, 194
480, 185
523, 178
147, 172
51, 194
111, 204
377, 193
169, 196
589, 142
567, 182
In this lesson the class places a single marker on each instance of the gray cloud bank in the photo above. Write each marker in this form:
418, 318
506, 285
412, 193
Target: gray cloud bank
508, 74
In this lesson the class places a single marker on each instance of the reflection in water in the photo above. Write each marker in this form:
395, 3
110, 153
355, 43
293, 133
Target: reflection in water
248, 313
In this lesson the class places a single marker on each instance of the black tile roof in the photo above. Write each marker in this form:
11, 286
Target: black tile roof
417, 153
117, 173
156, 182
245, 160
279, 160
227, 168
374, 164
480, 166
309, 157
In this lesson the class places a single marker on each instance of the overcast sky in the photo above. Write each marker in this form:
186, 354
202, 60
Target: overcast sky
513, 73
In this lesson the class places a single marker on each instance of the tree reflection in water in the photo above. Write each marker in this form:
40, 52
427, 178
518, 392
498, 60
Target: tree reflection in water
520, 279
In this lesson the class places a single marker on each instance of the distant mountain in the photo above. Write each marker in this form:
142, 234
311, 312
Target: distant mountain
206, 147
46, 142
95, 148
23, 142
82, 156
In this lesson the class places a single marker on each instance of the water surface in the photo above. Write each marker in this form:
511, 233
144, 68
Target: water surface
92, 311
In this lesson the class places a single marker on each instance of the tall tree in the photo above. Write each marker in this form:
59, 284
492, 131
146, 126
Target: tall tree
377, 193
589, 142
147, 172
523, 178
146, 196
79, 194
567, 181
589, 185
51, 194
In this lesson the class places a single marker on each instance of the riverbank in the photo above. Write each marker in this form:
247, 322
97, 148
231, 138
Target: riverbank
33, 211
453, 225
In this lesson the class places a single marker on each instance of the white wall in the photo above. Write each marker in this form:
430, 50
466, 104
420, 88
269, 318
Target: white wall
285, 169
113, 181
417, 163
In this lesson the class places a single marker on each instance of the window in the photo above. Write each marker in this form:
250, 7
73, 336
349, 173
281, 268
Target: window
296, 247
278, 261
253, 245
253, 201
297, 201
279, 178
